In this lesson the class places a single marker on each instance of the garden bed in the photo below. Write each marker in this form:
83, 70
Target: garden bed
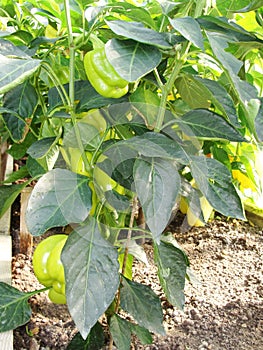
224, 302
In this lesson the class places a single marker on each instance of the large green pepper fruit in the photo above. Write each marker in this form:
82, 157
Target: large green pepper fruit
102, 76
48, 267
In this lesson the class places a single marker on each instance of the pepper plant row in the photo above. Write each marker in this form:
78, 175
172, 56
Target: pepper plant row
123, 110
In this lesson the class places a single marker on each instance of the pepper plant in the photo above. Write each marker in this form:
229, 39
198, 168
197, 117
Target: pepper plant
119, 110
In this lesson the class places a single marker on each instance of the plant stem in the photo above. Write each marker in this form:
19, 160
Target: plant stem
71, 57
72, 85
126, 252
166, 88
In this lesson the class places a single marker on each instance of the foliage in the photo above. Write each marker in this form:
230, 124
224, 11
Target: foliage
190, 111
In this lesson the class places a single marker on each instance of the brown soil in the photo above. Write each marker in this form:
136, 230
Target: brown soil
224, 301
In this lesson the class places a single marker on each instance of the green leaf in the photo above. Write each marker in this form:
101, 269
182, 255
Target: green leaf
59, 198
226, 28
19, 174
10, 50
157, 184
147, 102
18, 150
14, 307
143, 305
150, 144
40, 166
132, 60
259, 121
232, 65
128, 264
138, 32
190, 29
36, 167
16, 126
121, 333
94, 341
215, 182
22, 101
221, 99
86, 96
8, 194
15, 71
207, 124
192, 91
252, 5
228, 6
172, 265
41, 147
138, 14
92, 275
142, 334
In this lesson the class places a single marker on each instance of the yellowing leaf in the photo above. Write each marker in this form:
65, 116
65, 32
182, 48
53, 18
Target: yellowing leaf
243, 180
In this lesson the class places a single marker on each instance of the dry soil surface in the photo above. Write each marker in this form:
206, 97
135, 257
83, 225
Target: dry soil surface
224, 301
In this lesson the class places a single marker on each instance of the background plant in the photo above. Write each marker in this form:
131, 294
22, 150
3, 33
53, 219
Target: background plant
193, 70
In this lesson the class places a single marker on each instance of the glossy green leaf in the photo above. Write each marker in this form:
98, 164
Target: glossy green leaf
172, 265
18, 150
150, 144
232, 65
49, 154
157, 184
190, 29
41, 147
59, 198
14, 71
14, 307
86, 96
21, 101
8, 194
92, 275
16, 126
143, 305
120, 332
36, 167
94, 341
138, 32
131, 59
202, 123
215, 182
221, 99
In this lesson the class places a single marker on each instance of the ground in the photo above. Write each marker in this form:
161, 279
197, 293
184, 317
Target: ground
224, 301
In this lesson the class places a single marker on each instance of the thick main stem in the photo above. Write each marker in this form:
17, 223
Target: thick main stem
126, 252
72, 84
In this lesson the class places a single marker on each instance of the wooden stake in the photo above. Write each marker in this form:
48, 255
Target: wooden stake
26, 239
